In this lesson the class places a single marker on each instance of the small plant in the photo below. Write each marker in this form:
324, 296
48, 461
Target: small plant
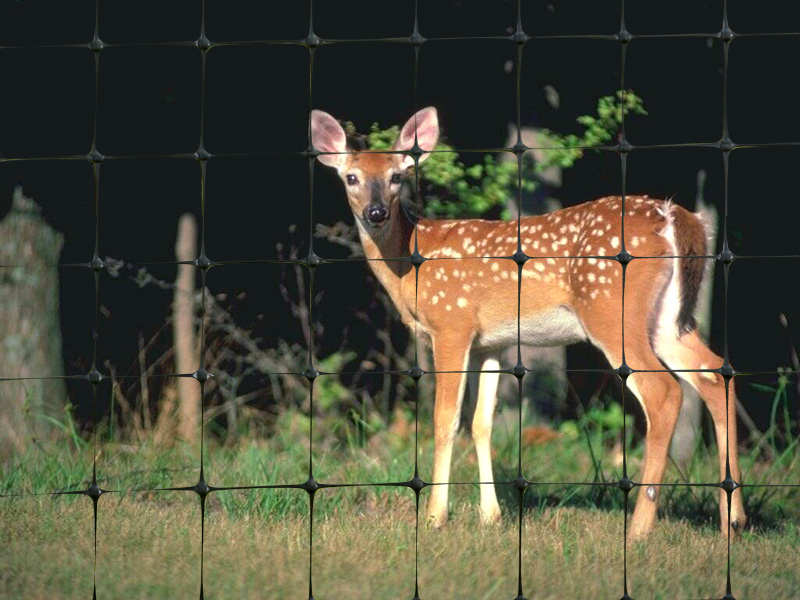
605, 419
67, 426
780, 441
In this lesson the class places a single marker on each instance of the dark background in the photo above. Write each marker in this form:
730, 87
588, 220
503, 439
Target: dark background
257, 99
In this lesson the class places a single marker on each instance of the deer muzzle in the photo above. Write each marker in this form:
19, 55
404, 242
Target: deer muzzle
376, 214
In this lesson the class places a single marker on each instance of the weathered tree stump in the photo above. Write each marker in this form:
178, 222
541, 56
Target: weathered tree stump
30, 332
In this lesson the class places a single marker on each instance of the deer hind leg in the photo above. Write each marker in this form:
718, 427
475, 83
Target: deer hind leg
450, 359
482, 436
657, 390
690, 352
661, 397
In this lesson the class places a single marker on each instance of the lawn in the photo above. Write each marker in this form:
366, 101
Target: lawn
258, 543
148, 546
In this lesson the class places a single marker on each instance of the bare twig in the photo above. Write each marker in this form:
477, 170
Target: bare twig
793, 351
234, 353
144, 386
123, 402
343, 235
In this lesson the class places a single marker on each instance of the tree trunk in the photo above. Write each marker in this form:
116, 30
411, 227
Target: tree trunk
184, 337
30, 332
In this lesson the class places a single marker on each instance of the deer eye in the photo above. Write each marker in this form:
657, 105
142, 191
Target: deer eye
352, 180
396, 178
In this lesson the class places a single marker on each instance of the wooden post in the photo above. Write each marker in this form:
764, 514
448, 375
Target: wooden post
184, 336
546, 390
30, 332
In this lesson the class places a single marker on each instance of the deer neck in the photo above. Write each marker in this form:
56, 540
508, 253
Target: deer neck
392, 241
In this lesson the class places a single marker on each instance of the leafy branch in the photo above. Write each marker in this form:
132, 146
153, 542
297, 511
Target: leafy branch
453, 190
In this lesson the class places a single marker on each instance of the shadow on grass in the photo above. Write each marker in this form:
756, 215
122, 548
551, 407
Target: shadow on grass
768, 508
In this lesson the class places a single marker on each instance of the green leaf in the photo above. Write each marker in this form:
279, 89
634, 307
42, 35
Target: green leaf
453, 190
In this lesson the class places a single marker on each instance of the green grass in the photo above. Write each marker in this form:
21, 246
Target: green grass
257, 541
148, 546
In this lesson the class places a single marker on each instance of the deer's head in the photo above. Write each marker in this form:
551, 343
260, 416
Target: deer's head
372, 180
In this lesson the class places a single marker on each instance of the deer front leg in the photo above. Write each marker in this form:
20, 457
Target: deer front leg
450, 357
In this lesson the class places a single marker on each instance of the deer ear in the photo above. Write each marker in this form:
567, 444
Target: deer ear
426, 125
328, 136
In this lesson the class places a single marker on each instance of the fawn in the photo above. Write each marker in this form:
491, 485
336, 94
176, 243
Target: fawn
571, 290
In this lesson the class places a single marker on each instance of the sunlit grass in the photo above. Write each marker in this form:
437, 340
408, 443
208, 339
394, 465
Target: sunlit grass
149, 547
258, 541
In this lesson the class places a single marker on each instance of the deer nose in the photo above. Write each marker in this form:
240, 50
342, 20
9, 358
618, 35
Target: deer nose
376, 214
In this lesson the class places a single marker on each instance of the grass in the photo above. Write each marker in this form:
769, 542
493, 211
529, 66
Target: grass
363, 547
257, 541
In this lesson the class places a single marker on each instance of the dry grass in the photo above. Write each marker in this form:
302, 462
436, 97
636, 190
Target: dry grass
257, 542
148, 546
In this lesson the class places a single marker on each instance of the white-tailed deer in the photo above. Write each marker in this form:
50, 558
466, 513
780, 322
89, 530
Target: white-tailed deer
571, 291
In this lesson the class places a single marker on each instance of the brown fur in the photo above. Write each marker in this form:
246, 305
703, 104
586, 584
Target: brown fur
690, 238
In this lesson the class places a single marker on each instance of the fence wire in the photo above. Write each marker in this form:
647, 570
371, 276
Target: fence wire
312, 262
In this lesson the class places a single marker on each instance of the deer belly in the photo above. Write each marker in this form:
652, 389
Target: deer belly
555, 327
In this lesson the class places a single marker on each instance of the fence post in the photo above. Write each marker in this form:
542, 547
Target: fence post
184, 337
30, 331
546, 389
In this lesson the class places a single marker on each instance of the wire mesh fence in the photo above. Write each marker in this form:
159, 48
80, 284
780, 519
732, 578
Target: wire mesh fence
198, 262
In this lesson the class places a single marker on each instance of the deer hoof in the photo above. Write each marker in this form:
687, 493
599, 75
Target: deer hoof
436, 521
490, 517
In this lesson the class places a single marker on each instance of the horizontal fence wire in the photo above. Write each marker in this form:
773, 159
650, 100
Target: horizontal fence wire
312, 262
